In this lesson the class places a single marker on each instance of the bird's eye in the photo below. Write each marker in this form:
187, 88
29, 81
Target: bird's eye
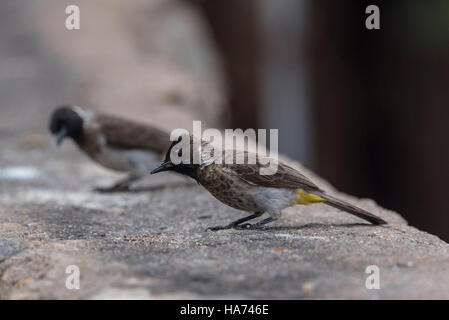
180, 153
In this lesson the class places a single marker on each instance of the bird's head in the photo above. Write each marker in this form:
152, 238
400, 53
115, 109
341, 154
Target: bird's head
185, 156
66, 122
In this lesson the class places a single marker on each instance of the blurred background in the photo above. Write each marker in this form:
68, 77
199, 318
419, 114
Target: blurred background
366, 109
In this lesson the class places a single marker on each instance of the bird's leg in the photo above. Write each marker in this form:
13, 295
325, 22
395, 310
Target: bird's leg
121, 185
256, 225
234, 224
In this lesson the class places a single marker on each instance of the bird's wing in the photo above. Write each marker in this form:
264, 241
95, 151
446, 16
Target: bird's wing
283, 176
127, 134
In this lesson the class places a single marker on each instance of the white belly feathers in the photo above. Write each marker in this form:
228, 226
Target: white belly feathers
273, 200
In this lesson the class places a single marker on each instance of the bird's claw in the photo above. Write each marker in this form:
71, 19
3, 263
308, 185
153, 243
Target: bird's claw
216, 228
243, 226
249, 226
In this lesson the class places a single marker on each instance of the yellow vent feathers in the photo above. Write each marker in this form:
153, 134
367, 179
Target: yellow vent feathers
307, 198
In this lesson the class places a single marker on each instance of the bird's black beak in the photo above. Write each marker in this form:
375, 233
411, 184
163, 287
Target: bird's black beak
60, 135
164, 166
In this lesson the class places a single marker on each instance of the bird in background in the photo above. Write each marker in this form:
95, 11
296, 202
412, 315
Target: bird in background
241, 186
115, 143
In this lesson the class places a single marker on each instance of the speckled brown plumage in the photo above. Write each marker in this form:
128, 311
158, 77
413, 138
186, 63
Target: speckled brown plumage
242, 186
227, 186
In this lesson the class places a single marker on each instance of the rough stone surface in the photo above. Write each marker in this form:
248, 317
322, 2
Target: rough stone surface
153, 244
7, 249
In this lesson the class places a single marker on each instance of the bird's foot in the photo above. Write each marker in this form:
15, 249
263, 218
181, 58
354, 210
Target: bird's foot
246, 226
216, 228
239, 225
257, 225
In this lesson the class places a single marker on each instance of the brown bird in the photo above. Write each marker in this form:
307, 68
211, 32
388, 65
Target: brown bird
115, 143
241, 186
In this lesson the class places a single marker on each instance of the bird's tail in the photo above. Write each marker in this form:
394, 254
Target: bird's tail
349, 208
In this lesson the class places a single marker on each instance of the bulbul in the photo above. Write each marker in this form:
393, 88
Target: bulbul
241, 186
115, 143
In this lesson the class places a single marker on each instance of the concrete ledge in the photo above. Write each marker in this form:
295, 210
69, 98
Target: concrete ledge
154, 245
